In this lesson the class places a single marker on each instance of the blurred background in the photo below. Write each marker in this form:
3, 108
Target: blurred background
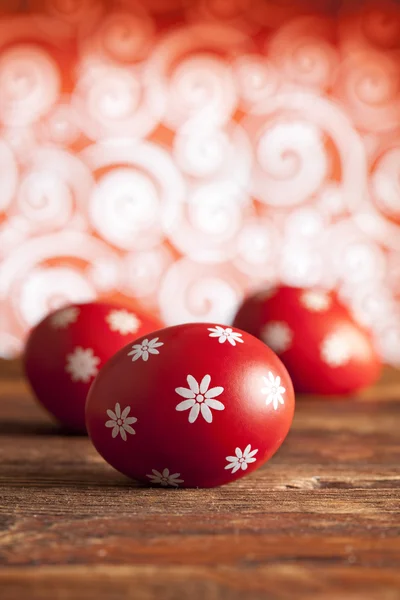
179, 154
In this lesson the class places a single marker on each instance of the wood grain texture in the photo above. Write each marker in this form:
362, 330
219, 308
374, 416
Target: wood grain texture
320, 520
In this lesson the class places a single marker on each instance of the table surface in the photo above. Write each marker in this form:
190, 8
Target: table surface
320, 520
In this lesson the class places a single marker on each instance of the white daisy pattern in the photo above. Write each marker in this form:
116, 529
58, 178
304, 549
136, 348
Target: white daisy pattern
64, 317
121, 422
225, 335
273, 390
123, 321
82, 364
199, 398
165, 478
335, 350
315, 301
241, 459
145, 348
277, 335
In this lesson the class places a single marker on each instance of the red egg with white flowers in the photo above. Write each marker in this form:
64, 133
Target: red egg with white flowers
67, 349
323, 347
194, 405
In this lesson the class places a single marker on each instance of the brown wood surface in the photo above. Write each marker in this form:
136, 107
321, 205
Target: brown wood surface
320, 520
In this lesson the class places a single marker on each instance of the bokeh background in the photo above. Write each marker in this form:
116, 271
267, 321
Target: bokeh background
179, 154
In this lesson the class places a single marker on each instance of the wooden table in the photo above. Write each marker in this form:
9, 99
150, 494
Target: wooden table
320, 520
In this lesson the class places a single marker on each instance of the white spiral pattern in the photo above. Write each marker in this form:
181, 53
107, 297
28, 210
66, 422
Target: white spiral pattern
193, 292
201, 154
28, 257
215, 153
303, 52
211, 221
369, 84
386, 183
291, 162
43, 198
188, 70
142, 273
8, 175
55, 185
201, 91
186, 152
46, 289
112, 101
134, 206
256, 248
370, 25
257, 79
302, 265
29, 84
122, 37
60, 126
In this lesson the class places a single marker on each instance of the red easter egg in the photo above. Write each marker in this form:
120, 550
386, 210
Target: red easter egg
194, 405
324, 349
66, 350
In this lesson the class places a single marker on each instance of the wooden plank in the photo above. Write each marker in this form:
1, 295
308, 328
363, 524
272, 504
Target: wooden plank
214, 582
320, 520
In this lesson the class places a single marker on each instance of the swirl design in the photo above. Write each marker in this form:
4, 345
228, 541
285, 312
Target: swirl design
372, 25
189, 70
8, 175
29, 84
303, 50
122, 37
55, 185
257, 79
291, 163
386, 183
184, 152
134, 206
112, 101
193, 292
369, 84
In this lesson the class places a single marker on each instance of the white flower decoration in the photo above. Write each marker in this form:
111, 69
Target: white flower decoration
273, 390
315, 301
277, 335
64, 317
165, 479
82, 364
200, 398
241, 460
120, 422
122, 321
224, 335
335, 350
145, 348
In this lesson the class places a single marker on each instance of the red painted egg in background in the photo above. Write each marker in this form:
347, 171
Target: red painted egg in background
194, 405
66, 350
324, 349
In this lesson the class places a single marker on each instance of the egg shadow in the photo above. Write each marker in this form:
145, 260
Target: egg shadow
16, 427
73, 476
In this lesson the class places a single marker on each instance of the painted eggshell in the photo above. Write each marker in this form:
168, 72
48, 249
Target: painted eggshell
194, 405
66, 350
324, 349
